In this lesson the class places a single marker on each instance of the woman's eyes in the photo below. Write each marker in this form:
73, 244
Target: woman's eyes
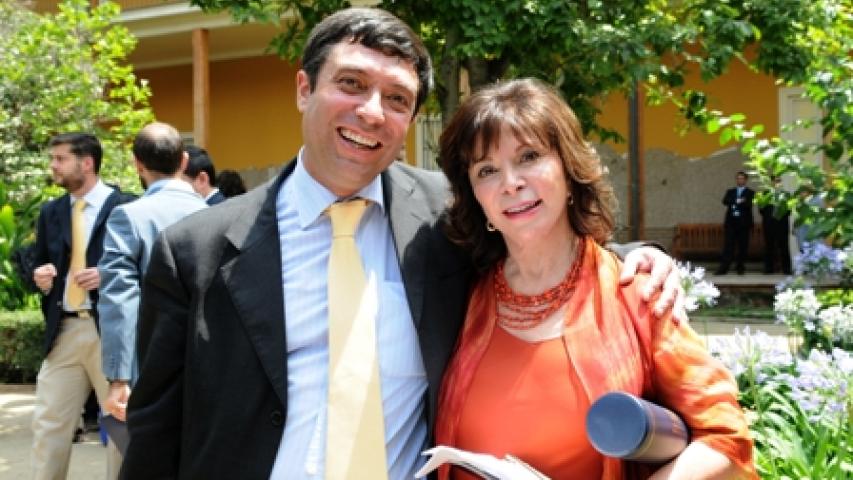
529, 156
485, 171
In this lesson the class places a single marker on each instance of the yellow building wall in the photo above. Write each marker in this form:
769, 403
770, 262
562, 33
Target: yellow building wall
171, 99
739, 90
254, 122
253, 116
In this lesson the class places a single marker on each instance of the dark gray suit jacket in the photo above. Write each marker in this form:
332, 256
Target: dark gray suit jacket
211, 400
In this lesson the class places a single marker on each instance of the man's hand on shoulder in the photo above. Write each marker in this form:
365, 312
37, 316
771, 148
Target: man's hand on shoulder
663, 277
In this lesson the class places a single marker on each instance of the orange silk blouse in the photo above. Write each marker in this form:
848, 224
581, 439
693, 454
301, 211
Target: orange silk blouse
612, 342
527, 400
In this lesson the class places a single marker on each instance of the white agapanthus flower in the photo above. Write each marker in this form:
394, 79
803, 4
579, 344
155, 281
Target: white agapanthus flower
796, 307
837, 322
697, 290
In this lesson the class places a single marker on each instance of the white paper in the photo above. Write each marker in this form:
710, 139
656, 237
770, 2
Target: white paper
487, 466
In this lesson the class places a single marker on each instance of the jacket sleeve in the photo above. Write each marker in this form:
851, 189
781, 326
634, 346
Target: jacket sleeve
118, 304
40, 251
155, 410
690, 381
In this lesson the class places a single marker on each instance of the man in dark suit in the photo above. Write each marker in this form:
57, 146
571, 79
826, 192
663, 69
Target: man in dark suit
72, 365
777, 235
233, 341
737, 225
201, 174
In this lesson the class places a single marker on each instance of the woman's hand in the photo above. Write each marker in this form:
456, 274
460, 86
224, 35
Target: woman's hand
697, 462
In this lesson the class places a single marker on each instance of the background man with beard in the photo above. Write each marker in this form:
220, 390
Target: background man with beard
69, 243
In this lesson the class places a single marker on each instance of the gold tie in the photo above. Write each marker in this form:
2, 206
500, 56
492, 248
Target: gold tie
355, 436
75, 295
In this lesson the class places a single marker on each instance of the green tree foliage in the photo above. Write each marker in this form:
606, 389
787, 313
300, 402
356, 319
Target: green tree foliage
66, 72
593, 48
58, 73
588, 48
821, 196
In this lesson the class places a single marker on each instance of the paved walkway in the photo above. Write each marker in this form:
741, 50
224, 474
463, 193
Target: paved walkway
88, 460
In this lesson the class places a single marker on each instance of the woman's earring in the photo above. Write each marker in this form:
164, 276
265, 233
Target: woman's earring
490, 227
571, 199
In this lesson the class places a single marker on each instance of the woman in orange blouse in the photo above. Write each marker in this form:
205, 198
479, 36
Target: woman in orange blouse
549, 329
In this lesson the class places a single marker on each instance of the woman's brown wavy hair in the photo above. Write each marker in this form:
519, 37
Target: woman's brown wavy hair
533, 111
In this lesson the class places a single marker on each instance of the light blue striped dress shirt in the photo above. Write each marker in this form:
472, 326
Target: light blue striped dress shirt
306, 236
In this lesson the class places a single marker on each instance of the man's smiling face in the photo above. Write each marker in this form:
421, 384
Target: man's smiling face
355, 120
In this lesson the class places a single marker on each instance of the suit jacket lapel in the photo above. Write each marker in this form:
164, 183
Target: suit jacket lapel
63, 210
253, 278
408, 210
103, 214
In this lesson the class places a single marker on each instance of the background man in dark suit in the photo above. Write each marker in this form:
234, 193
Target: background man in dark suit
201, 174
777, 236
737, 225
72, 366
234, 330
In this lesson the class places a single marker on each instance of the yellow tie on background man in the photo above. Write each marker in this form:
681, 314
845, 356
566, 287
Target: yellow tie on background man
74, 294
355, 436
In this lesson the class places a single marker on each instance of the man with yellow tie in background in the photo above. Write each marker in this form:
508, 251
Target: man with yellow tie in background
69, 242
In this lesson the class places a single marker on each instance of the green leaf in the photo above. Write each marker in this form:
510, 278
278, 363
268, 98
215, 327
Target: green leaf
726, 135
713, 125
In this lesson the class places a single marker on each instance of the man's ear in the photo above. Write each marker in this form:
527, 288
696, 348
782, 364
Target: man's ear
303, 90
87, 163
204, 178
185, 158
139, 166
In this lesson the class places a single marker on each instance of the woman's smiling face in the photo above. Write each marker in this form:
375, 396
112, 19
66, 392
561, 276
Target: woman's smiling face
521, 187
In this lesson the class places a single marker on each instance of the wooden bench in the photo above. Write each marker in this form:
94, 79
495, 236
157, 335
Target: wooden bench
704, 241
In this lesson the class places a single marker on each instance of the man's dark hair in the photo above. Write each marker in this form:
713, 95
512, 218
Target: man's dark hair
375, 29
82, 145
741, 172
230, 183
159, 147
200, 162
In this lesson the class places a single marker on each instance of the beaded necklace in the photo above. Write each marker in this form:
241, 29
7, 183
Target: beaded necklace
524, 312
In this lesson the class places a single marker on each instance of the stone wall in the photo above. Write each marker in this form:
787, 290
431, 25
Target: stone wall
677, 189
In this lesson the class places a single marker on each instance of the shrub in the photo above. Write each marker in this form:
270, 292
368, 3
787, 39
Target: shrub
21, 340
799, 406
820, 319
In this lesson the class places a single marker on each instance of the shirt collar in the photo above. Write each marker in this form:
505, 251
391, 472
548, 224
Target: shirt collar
96, 196
213, 192
313, 198
170, 183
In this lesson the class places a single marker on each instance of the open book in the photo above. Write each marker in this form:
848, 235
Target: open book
486, 466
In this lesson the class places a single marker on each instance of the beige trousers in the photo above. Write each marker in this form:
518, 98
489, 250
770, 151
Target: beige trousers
67, 375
